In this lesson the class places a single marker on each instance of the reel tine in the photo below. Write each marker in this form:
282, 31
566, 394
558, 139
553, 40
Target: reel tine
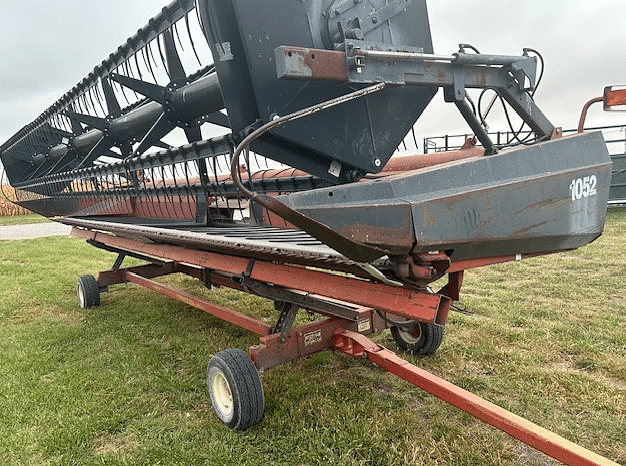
136, 57
414, 137
127, 70
174, 29
147, 53
98, 97
173, 64
161, 54
193, 45
93, 100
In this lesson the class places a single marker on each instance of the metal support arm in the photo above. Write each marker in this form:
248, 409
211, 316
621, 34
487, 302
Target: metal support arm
511, 77
360, 347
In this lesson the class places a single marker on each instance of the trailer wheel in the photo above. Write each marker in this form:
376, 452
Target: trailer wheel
88, 292
235, 389
421, 339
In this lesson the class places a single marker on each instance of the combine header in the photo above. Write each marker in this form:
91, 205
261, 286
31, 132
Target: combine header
249, 143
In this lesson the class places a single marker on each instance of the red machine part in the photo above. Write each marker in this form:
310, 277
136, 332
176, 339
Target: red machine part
358, 346
363, 309
407, 303
611, 98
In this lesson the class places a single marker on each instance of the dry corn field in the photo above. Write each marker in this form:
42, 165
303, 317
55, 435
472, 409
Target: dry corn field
7, 208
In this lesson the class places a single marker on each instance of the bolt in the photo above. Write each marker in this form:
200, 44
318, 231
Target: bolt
377, 162
374, 20
356, 175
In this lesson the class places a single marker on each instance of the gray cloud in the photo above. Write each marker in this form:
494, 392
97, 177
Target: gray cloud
50, 45
581, 41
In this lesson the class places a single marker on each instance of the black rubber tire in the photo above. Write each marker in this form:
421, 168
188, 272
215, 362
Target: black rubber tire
235, 389
420, 339
88, 292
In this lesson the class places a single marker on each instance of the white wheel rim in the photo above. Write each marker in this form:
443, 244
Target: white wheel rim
222, 394
81, 296
409, 337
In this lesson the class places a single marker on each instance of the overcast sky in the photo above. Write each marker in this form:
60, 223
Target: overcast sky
582, 41
48, 46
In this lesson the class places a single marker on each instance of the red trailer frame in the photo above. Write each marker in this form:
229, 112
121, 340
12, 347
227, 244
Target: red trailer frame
353, 308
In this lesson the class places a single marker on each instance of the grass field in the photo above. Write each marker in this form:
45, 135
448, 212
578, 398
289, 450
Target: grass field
22, 219
123, 384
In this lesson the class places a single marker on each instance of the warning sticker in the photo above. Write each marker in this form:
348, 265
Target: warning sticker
312, 338
364, 325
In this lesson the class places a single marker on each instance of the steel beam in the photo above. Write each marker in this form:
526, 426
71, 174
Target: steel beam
405, 302
359, 346
223, 313
459, 72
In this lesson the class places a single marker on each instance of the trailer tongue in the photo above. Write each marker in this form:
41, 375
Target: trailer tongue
322, 92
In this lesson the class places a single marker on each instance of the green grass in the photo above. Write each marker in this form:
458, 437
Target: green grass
22, 219
123, 384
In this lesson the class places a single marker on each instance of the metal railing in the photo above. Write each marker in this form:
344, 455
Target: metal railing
615, 137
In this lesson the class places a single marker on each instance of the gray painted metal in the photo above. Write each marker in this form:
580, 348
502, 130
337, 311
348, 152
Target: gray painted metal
617, 192
617, 195
517, 202
524, 200
244, 35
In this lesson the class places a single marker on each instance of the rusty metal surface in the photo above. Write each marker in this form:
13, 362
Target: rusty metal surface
614, 97
398, 165
228, 315
305, 63
360, 347
406, 302
520, 201
386, 225
585, 110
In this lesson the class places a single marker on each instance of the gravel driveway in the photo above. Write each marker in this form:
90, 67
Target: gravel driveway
34, 230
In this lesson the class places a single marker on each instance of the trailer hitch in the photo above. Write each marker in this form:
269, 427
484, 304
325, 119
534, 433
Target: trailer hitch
359, 346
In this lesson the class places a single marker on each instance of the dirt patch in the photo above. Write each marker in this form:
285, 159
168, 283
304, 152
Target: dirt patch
117, 444
528, 456
28, 315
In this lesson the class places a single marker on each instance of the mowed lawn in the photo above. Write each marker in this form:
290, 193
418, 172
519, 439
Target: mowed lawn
123, 384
